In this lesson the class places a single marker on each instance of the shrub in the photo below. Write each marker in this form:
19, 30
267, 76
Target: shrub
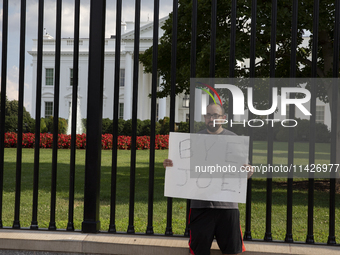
43, 127
183, 127
127, 129
62, 126
283, 134
165, 126
107, 126
303, 130
11, 124
198, 126
323, 135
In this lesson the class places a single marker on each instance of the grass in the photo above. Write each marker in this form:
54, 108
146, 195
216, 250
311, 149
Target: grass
300, 195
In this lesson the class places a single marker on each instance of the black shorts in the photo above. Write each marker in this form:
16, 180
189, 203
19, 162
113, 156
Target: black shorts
207, 223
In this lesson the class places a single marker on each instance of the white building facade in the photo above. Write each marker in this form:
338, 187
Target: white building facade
126, 77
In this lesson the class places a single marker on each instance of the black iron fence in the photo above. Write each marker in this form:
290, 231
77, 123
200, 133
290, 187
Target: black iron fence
91, 222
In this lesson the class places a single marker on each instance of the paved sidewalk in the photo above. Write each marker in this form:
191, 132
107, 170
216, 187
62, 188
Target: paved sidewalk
39, 242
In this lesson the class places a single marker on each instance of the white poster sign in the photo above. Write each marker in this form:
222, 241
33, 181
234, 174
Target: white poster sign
207, 167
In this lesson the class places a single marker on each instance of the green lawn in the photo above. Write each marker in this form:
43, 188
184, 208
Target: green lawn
300, 199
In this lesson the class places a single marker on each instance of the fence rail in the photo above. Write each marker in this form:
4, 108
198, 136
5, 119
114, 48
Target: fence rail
91, 222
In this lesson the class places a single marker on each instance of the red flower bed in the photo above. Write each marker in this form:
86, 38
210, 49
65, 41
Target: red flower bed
64, 141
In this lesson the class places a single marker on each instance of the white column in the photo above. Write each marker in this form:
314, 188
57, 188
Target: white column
145, 102
198, 105
128, 87
161, 108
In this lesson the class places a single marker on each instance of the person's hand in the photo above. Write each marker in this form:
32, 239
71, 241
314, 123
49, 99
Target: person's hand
167, 163
250, 170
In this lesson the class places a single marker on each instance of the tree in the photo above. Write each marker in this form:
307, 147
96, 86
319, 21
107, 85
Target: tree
11, 119
243, 29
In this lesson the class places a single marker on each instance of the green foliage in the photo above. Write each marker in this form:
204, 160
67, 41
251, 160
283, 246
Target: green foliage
301, 132
107, 126
121, 123
323, 135
243, 36
183, 127
127, 129
11, 118
84, 121
49, 124
43, 127
199, 126
46, 125
11, 123
165, 126
240, 129
280, 133
146, 128
62, 126
283, 134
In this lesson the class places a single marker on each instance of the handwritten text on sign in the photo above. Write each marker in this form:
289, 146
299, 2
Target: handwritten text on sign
206, 167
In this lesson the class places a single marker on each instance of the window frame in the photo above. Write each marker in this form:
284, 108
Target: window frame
71, 77
121, 111
50, 78
321, 113
122, 77
47, 109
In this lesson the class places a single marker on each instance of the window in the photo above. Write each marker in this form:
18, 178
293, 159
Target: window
122, 77
49, 76
71, 77
48, 109
320, 114
121, 111
186, 101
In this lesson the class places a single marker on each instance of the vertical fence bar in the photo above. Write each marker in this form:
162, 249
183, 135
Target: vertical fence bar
131, 228
34, 223
52, 225
334, 130
112, 227
247, 232
193, 48
268, 234
70, 224
168, 230
213, 41
232, 58
3, 97
310, 235
289, 223
16, 222
149, 229
331, 236
91, 223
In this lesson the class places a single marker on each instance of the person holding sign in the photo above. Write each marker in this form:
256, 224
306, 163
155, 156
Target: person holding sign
209, 219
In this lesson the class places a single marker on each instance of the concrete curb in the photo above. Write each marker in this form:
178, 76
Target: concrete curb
46, 242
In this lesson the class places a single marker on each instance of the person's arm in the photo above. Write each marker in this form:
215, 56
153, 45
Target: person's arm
167, 163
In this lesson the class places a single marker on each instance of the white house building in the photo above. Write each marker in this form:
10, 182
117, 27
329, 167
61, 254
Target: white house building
126, 75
